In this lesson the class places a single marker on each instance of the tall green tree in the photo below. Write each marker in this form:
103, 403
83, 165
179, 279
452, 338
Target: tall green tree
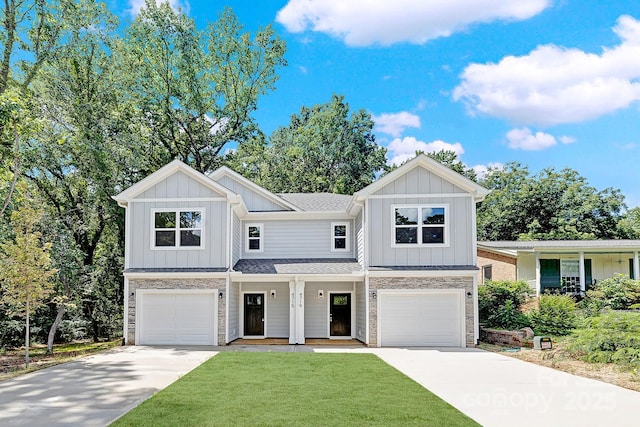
325, 148
550, 205
85, 153
196, 90
25, 267
629, 224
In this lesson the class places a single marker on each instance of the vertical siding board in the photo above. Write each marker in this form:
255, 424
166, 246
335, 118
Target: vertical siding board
316, 311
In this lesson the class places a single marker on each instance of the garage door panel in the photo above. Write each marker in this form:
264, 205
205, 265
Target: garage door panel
177, 318
420, 319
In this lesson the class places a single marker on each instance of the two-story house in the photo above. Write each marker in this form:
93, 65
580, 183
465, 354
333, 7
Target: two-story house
210, 259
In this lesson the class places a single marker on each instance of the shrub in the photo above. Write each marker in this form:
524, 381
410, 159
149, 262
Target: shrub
508, 317
612, 337
556, 315
618, 292
493, 296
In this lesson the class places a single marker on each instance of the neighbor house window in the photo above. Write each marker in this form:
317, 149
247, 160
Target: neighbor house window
177, 228
424, 225
339, 236
487, 273
254, 237
570, 275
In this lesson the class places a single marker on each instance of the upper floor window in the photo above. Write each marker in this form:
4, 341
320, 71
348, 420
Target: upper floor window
423, 225
254, 234
339, 236
177, 228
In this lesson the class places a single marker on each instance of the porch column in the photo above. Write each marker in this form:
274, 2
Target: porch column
636, 266
292, 312
299, 312
537, 274
583, 282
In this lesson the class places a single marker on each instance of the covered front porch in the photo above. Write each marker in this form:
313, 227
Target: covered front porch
287, 302
569, 266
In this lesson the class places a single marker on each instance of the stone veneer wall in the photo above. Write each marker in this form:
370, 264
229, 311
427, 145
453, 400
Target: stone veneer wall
219, 284
465, 283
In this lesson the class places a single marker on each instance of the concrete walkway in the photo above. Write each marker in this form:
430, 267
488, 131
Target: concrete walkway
95, 390
500, 391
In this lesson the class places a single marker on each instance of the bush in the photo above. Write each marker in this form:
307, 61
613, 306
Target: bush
618, 293
508, 317
493, 296
556, 315
612, 337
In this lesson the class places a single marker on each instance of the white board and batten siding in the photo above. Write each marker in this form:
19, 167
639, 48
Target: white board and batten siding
361, 313
233, 318
297, 239
421, 318
237, 240
420, 182
254, 201
359, 235
176, 317
175, 189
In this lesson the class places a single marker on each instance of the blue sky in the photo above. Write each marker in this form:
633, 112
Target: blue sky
547, 83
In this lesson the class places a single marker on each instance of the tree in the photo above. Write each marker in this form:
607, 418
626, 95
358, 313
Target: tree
26, 267
551, 205
629, 224
196, 90
325, 148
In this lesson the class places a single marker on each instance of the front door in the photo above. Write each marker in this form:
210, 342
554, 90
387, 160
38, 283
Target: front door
254, 314
340, 315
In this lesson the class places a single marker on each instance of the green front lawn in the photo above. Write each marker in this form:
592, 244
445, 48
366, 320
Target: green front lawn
282, 389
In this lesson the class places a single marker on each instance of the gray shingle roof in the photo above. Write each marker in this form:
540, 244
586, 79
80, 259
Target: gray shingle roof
423, 268
563, 244
318, 202
297, 266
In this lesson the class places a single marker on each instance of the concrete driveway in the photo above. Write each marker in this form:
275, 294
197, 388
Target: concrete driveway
497, 390
95, 390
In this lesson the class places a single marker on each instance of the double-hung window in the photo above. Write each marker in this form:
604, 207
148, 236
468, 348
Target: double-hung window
420, 225
254, 237
178, 228
339, 236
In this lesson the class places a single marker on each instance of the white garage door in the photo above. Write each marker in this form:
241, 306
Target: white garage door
430, 319
171, 318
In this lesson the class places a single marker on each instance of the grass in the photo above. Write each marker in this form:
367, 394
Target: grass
12, 360
282, 389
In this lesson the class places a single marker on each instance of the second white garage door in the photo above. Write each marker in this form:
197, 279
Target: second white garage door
421, 318
176, 318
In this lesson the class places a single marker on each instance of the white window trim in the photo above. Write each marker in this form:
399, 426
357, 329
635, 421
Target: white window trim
419, 206
347, 237
177, 247
246, 237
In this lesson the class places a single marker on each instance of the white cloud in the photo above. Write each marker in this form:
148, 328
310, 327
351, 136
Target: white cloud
553, 85
384, 22
404, 149
524, 139
567, 139
136, 5
303, 69
481, 170
395, 123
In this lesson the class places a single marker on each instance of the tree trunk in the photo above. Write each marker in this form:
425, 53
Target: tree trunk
54, 328
26, 338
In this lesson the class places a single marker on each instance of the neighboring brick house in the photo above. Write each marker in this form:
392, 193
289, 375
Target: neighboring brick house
213, 258
569, 266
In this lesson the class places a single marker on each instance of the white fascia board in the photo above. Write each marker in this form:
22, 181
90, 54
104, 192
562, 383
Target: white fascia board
166, 171
225, 171
423, 273
176, 275
505, 252
478, 191
292, 216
